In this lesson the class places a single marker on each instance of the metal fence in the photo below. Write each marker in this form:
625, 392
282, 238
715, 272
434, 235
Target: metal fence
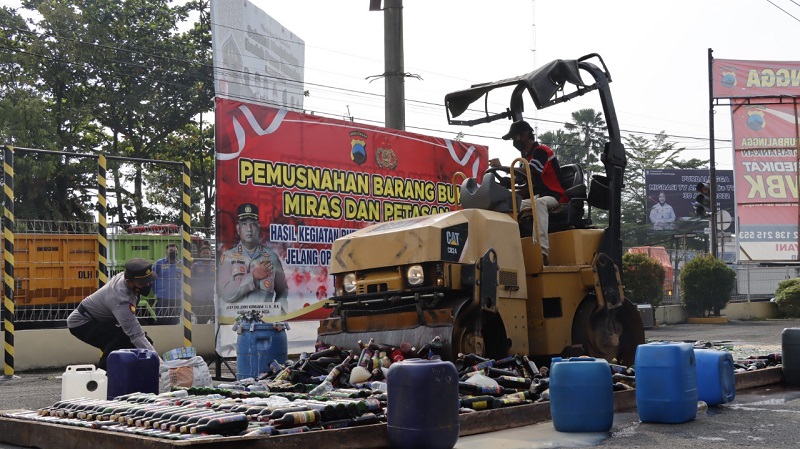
753, 282
56, 266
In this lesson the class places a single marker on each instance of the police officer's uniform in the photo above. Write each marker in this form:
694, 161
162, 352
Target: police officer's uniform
662, 216
106, 319
235, 275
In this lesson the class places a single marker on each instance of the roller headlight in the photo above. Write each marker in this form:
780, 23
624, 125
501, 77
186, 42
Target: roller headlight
415, 275
349, 282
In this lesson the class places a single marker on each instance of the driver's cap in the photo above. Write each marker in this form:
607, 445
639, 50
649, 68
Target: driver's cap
518, 127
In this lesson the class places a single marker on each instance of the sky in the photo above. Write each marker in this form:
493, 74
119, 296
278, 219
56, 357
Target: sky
656, 53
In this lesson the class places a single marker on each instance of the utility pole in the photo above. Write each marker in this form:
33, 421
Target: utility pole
712, 169
394, 71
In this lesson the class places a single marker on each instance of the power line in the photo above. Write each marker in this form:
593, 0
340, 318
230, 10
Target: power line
274, 78
783, 10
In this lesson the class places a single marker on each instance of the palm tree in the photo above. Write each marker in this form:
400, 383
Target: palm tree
567, 146
589, 127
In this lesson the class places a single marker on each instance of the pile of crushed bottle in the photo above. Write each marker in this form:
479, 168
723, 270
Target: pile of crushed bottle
328, 389
742, 365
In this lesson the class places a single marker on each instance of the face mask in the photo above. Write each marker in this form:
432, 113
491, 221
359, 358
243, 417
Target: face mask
172, 255
519, 145
142, 291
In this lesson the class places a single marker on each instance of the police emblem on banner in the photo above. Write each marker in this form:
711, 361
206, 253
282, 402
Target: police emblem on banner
755, 120
358, 147
385, 156
729, 79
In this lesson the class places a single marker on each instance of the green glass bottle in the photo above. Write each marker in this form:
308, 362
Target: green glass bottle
278, 412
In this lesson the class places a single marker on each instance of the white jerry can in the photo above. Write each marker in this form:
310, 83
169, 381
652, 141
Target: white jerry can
84, 381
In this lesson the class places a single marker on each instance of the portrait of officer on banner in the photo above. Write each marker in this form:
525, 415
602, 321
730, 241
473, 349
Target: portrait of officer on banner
249, 272
662, 215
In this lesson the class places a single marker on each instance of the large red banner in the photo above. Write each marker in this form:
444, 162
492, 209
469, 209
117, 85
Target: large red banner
307, 180
765, 166
748, 79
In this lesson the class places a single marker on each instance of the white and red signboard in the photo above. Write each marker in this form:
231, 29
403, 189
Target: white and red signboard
749, 79
763, 114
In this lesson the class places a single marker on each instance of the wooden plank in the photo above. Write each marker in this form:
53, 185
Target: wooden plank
43, 435
21, 432
503, 418
758, 378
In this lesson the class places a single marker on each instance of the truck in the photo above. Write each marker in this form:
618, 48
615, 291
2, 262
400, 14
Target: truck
473, 280
660, 254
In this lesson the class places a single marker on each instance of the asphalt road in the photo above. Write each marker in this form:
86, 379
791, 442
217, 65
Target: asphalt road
764, 417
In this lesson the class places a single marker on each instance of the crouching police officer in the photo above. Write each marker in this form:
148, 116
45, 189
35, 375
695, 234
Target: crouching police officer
106, 319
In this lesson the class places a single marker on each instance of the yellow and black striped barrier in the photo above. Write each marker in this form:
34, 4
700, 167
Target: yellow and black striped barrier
186, 224
8, 259
102, 236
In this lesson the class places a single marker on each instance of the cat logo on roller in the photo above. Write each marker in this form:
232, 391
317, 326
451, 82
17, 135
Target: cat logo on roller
490, 291
453, 240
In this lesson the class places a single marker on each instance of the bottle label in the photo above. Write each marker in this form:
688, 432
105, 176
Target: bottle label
303, 417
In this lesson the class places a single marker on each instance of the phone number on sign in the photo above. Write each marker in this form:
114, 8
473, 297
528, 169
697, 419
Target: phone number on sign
768, 235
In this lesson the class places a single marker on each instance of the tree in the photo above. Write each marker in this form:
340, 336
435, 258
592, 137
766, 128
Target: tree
41, 108
190, 145
566, 146
707, 284
589, 128
787, 298
643, 278
21, 105
119, 77
148, 79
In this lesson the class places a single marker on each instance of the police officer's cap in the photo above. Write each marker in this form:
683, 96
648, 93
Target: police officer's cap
518, 127
247, 210
140, 270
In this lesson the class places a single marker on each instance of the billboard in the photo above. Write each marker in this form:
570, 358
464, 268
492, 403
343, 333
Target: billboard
288, 184
765, 163
763, 105
671, 194
748, 79
256, 60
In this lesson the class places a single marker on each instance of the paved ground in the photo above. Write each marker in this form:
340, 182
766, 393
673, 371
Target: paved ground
765, 417
743, 338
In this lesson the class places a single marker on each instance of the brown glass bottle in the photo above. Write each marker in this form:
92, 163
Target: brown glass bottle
276, 413
225, 426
